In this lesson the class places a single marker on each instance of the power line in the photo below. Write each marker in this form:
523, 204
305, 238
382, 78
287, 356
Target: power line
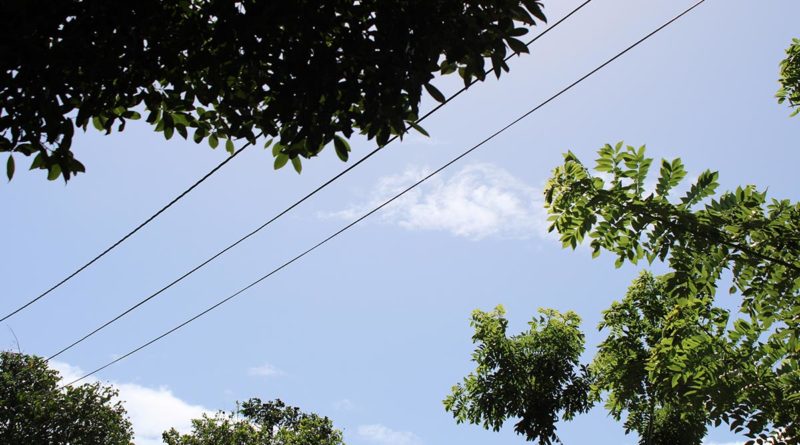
214, 170
366, 215
124, 238
290, 208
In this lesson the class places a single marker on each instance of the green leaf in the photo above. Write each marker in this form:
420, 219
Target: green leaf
342, 147
38, 161
10, 167
213, 141
705, 186
297, 164
670, 176
277, 148
281, 160
98, 123
535, 9
169, 130
181, 129
180, 119
54, 172
435, 93
229, 146
448, 67
155, 115
416, 126
77, 166
517, 46
132, 115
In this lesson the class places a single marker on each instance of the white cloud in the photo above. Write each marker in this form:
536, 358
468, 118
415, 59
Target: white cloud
382, 435
479, 201
68, 372
151, 411
344, 405
265, 370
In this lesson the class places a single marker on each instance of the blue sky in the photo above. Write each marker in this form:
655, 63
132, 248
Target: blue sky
372, 329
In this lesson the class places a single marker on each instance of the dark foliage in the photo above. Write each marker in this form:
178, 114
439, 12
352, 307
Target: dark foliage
304, 72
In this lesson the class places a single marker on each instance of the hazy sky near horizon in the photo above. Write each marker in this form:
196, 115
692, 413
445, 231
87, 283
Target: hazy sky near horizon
372, 329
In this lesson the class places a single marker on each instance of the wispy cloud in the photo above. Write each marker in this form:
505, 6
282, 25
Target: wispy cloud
344, 405
265, 370
151, 410
382, 435
479, 201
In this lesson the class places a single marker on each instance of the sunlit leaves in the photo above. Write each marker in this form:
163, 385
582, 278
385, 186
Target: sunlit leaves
342, 148
259, 423
34, 410
280, 160
672, 173
705, 186
790, 77
533, 377
297, 164
745, 371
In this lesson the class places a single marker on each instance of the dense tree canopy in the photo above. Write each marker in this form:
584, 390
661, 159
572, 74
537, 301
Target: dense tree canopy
257, 423
620, 370
305, 72
675, 361
536, 377
745, 368
33, 410
533, 376
790, 77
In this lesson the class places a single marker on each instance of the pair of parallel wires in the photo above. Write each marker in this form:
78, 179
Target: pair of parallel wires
306, 197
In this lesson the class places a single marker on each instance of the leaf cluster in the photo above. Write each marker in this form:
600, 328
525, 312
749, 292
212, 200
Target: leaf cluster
306, 73
789, 91
534, 376
33, 410
625, 367
743, 369
259, 423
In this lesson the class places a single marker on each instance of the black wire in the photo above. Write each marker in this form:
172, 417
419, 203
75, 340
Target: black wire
290, 208
121, 240
438, 170
214, 170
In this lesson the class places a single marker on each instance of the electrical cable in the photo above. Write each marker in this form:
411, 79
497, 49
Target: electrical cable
214, 170
124, 238
384, 204
290, 208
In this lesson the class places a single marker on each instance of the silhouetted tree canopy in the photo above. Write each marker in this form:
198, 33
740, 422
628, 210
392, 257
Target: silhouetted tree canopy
306, 73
